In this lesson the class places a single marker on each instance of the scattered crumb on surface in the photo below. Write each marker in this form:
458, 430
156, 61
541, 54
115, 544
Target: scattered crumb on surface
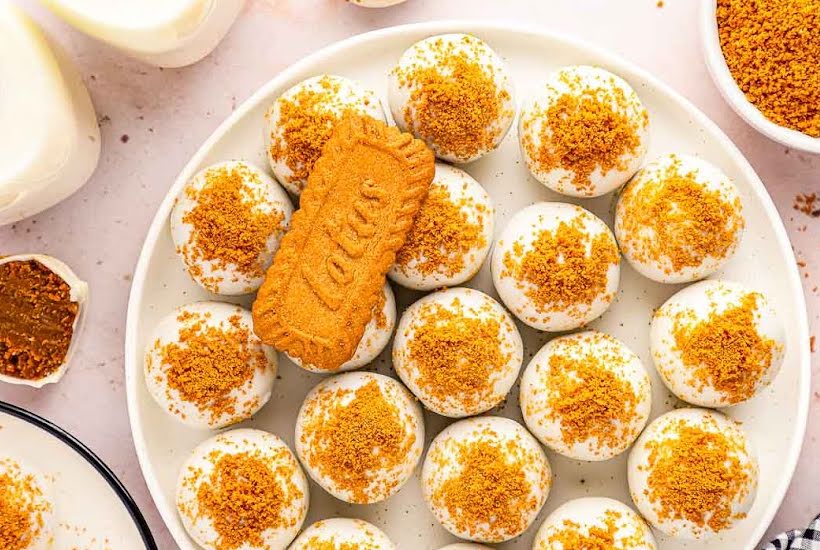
808, 204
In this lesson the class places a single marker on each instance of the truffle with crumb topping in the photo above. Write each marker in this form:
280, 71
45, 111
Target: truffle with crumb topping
360, 436
302, 119
226, 225
717, 343
451, 235
454, 92
342, 534
680, 219
594, 523
692, 473
206, 368
458, 351
556, 266
242, 489
586, 396
584, 133
27, 515
485, 479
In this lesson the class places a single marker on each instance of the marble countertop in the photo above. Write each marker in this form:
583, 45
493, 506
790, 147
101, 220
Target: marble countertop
153, 120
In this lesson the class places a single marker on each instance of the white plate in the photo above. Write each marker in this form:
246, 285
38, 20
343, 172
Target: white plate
775, 420
93, 510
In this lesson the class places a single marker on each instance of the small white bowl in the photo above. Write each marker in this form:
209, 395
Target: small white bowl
732, 93
159, 32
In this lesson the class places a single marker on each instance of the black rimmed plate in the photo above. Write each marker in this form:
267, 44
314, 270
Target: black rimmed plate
92, 507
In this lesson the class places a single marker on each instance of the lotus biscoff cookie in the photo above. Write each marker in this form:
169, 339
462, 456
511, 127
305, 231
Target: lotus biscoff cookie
356, 211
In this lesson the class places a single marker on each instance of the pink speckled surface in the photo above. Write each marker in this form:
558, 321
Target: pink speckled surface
153, 120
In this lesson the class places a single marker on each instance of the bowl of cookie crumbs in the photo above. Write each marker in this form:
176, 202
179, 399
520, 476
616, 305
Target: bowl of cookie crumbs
764, 56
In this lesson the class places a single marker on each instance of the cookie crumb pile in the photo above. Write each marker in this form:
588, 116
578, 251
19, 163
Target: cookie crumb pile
772, 49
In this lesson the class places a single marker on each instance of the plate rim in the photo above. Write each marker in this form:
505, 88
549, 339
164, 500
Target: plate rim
474, 26
96, 462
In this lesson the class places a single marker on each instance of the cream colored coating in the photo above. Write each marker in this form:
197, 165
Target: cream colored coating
696, 304
666, 428
340, 391
263, 446
546, 423
246, 399
534, 122
476, 396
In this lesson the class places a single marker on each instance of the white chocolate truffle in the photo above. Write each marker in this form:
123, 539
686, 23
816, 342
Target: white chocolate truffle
717, 343
680, 219
692, 473
584, 133
245, 485
458, 351
451, 235
226, 225
302, 119
454, 92
485, 479
586, 396
205, 366
360, 436
376, 335
342, 534
556, 266
593, 522
28, 496
465, 546
50, 142
77, 293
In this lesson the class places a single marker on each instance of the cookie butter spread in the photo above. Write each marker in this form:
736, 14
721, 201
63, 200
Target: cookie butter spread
40, 302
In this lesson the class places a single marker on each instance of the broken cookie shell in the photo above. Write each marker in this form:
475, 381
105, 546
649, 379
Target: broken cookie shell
78, 293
